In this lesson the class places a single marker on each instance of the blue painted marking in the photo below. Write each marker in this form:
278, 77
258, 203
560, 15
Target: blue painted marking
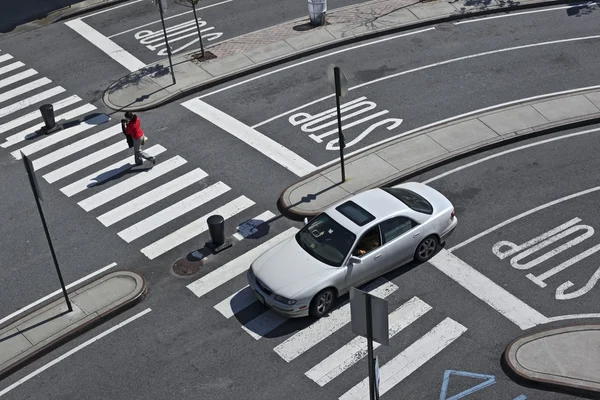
521, 397
490, 380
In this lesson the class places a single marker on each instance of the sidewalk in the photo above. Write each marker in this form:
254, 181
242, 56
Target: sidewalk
152, 86
46, 327
564, 358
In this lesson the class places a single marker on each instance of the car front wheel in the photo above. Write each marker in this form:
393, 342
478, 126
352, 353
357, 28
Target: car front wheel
322, 303
426, 249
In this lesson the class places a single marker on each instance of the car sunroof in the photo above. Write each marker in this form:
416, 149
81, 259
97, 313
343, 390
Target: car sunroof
355, 213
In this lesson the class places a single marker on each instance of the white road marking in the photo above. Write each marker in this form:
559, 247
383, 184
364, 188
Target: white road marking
302, 341
516, 14
109, 47
573, 316
264, 323
236, 302
112, 8
17, 77
135, 182
75, 147
173, 211
195, 228
484, 288
168, 18
11, 67
60, 136
539, 280
250, 227
21, 104
59, 291
107, 173
33, 130
411, 359
235, 267
73, 351
356, 349
264, 144
23, 89
37, 114
5, 57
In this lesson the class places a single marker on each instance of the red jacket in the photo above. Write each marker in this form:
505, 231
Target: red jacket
134, 129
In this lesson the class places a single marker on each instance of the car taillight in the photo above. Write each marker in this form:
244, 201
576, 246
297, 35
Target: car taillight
452, 214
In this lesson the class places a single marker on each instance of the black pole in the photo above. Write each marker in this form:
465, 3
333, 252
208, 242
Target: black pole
39, 206
198, 27
338, 94
370, 348
166, 40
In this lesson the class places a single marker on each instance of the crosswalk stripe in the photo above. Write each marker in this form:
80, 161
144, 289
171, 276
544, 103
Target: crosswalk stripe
23, 89
11, 67
106, 173
250, 227
36, 114
356, 349
411, 359
21, 104
141, 202
73, 148
85, 162
297, 344
17, 77
174, 211
32, 131
5, 57
236, 302
60, 136
264, 323
195, 228
235, 267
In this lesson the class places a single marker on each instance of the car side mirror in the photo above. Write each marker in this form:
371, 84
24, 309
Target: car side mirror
355, 260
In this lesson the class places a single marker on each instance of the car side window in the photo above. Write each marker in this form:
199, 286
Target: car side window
369, 242
394, 227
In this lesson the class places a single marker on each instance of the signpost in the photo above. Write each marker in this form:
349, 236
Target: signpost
369, 318
162, 7
338, 81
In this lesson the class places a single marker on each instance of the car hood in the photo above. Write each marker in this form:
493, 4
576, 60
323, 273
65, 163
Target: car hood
287, 269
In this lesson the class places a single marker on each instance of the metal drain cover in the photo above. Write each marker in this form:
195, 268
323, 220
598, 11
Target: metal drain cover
187, 267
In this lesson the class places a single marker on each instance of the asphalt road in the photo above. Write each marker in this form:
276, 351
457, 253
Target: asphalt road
185, 348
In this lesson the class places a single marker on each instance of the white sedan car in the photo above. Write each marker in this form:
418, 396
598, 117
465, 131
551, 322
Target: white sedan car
349, 244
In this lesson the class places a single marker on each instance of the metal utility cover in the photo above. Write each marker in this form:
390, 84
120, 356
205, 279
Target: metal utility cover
379, 315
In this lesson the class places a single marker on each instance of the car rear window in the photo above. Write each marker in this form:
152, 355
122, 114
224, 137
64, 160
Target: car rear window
355, 213
411, 199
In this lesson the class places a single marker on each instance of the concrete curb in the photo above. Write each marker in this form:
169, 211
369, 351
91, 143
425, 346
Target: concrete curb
78, 327
547, 381
320, 48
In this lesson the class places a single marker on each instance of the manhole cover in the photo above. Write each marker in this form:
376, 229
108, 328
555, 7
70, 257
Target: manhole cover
187, 267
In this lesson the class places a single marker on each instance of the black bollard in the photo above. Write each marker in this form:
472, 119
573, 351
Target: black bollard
47, 111
216, 226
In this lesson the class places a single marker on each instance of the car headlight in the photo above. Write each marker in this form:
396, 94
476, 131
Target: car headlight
284, 300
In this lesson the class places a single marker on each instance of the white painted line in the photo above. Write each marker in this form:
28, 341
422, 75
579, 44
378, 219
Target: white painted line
109, 47
356, 349
36, 114
5, 57
59, 291
213, 280
264, 144
333, 53
73, 351
195, 228
302, 341
236, 302
112, 8
107, 173
516, 14
264, 323
250, 227
485, 289
60, 136
73, 148
21, 104
452, 171
11, 67
32, 131
168, 18
17, 77
524, 214
86, 161
411, 359
23, 89
174, 211
135, 182
573, 316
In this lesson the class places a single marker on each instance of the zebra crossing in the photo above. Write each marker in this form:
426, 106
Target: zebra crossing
81, 161
336, 364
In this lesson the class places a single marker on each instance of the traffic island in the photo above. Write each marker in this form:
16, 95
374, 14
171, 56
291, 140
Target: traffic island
563, 359
51, 325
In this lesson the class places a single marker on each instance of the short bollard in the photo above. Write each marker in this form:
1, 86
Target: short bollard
216, 226
51, 126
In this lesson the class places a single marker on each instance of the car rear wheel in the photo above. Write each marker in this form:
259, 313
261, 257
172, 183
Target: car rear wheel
322, 303
427, 248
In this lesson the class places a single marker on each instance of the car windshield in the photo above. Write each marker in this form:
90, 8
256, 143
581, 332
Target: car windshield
326, 240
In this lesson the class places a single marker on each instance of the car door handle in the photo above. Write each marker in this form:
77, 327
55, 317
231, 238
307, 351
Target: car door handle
377, 256
416, 234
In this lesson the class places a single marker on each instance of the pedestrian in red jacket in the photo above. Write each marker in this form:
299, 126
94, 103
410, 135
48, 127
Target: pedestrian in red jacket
134, 129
